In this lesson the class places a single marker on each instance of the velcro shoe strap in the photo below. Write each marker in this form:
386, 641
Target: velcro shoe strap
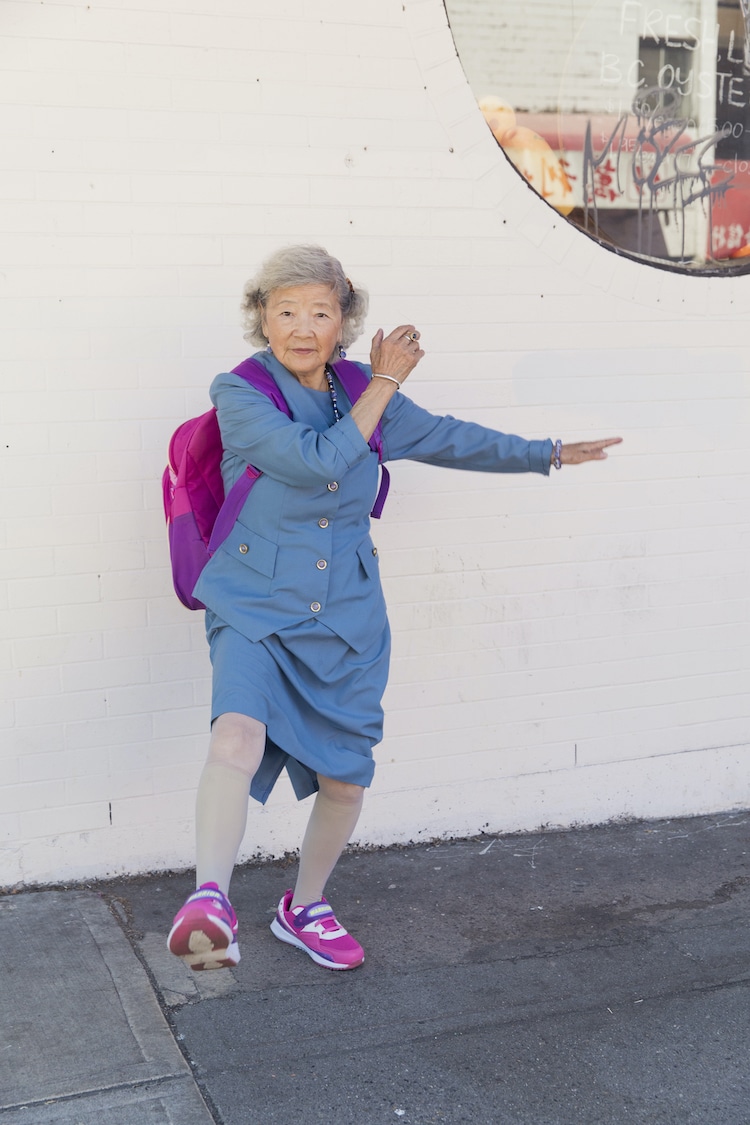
207, 894
313, 913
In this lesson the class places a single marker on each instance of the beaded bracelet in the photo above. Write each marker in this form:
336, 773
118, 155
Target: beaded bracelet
558, 452
392, 379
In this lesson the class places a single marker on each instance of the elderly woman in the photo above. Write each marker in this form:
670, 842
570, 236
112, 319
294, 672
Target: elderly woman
296, 620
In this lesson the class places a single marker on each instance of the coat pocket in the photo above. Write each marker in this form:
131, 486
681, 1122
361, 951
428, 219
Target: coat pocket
251, 549
368, 557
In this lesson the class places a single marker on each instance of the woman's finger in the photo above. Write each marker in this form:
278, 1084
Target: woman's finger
575, 453
403, 333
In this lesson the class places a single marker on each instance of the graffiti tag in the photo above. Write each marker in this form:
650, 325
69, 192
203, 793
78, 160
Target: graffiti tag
668, 168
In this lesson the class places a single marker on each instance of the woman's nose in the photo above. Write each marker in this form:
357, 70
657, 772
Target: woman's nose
304, 325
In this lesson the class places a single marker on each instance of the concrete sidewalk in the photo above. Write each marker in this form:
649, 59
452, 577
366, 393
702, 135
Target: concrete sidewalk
593, 977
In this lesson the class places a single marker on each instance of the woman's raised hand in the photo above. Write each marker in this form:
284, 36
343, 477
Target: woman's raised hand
578, 452
397, 354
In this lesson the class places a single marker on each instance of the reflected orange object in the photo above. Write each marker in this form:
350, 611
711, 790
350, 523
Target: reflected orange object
530, 154
499, 116
742, 252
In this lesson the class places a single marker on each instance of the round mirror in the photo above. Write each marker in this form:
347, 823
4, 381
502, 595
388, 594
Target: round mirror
631, 120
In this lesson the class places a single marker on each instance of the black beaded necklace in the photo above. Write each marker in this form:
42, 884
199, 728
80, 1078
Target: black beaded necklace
332, 393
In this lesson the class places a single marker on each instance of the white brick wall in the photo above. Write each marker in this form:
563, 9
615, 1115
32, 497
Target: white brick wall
565, 651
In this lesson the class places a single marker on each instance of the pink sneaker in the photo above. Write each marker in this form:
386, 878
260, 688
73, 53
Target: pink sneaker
204, 931
314, 928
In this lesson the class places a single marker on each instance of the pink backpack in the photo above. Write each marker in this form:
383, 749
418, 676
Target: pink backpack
199, 516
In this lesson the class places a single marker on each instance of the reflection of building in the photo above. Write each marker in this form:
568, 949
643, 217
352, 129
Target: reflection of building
632, 120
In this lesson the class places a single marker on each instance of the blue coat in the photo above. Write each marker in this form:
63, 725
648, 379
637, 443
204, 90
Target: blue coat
301, 547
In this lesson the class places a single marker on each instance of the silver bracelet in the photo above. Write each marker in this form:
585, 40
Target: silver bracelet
392, 379
558, 452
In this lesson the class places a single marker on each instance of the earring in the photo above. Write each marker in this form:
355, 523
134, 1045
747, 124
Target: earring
268, 347
342, 353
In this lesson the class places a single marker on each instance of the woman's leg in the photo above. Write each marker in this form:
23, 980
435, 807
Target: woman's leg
332, 821
235, 752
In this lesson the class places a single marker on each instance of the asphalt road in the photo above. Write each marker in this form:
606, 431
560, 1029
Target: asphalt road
594, 977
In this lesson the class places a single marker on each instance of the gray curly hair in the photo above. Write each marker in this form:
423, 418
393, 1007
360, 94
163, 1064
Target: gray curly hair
302, 265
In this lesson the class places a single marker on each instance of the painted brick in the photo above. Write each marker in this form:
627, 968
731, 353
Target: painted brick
60, 708
87, 675
10, 829
182, 666
185, 721
144, 811
149, 698
23, 593
112, 617
55, 650
92, 437
32, 563
31, 796
99, 733
51, 822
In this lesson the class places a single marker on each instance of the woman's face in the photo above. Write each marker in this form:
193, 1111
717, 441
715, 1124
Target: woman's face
303, 326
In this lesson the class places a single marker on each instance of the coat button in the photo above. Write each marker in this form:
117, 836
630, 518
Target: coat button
333, 486
321, 564
322, 522
375, 551
244, 548
315, 607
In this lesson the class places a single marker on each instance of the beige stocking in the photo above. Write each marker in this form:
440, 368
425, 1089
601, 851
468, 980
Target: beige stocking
332, 821
236, 750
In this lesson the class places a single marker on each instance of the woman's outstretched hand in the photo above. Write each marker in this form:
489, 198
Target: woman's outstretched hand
577, 452
396, 354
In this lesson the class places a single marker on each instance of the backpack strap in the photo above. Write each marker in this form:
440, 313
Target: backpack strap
256, 375
231, 508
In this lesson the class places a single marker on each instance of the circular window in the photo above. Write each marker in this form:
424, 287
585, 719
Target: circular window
631, 120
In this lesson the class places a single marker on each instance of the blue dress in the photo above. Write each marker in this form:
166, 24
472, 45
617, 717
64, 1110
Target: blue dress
296, 619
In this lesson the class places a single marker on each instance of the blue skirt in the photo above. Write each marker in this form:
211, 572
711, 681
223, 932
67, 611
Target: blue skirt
319, 699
